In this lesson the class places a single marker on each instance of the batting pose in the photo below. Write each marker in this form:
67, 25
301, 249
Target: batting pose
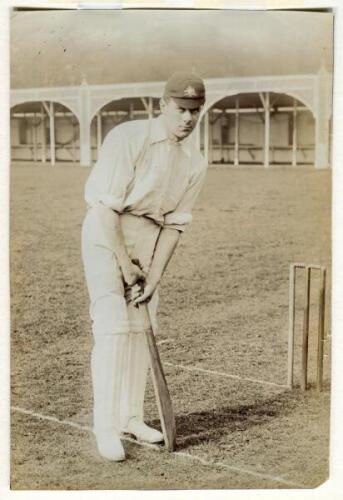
140, 196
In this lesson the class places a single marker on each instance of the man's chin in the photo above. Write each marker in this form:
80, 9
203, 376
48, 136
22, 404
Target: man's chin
182, 134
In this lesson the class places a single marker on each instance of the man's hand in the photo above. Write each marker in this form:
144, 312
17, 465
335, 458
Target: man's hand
144, 289
139, 293
133, 274
144, 294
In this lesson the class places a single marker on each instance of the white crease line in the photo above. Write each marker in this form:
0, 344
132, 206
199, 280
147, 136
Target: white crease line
52, 419
223, 374
75, 424
239, 469
158, 448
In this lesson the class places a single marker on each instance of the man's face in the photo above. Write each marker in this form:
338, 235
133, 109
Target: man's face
179, 121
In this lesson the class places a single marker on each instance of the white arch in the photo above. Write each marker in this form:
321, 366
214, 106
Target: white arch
25, 100
18, 102
103, 103
107, 100
218, 97
300, 98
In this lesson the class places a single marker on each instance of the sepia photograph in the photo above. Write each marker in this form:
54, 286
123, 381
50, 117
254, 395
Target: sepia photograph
170, 249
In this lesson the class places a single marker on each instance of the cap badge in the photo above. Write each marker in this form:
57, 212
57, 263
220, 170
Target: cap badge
190, 91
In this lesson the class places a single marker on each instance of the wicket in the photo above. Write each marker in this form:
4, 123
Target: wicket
309, 268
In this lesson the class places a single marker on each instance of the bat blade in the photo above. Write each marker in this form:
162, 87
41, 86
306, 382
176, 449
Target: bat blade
162, 394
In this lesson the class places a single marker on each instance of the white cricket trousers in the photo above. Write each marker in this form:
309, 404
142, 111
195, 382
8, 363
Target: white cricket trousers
120, 358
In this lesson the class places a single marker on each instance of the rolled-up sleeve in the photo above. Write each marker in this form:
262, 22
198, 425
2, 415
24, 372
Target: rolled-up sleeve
182, 215
108, 182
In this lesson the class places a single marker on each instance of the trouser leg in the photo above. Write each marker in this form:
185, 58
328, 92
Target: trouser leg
107, 366
136, 376
110, 330
138, 361
108, 362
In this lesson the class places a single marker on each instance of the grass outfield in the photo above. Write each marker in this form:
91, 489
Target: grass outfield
223, 338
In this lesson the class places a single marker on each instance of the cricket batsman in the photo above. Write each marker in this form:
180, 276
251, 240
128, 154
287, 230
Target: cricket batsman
140, 196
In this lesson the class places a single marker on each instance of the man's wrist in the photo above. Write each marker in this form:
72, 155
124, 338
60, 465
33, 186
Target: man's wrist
125, 263
153, 281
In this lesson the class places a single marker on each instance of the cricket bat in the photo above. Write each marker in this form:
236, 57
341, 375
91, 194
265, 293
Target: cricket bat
164, 403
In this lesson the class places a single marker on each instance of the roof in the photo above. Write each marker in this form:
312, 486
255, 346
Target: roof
61, 48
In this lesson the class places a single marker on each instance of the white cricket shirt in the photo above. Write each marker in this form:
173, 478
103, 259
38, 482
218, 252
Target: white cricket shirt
140, 171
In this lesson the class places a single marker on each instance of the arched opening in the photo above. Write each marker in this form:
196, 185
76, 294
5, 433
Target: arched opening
44, 132
259, 128
119, 111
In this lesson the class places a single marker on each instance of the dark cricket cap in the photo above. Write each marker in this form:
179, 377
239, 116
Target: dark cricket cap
187, 89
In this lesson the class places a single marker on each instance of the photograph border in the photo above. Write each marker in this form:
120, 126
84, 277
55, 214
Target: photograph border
333, 487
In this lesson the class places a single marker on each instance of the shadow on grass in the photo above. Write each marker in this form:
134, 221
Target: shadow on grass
210, 426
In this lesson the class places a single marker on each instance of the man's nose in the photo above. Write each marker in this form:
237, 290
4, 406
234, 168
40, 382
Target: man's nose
187, 115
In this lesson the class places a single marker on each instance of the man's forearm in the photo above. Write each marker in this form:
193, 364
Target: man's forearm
166, 244
109, 222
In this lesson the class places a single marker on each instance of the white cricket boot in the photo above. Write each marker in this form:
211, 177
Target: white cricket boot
134, 390
109, 357
142, 431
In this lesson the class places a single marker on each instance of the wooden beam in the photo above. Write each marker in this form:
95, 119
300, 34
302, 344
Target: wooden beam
295, 135
98, 132
119, 113
228, 135
52, 135
263, 100
236, 150
43, 135
74, 142
132, 110
151, 109
266, 131
210, 138
34, 139
221, 138
280, 109
46, 107
145, 104
214, 111
39, 115
206, 136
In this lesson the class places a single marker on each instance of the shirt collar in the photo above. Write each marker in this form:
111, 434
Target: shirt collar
158, 133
